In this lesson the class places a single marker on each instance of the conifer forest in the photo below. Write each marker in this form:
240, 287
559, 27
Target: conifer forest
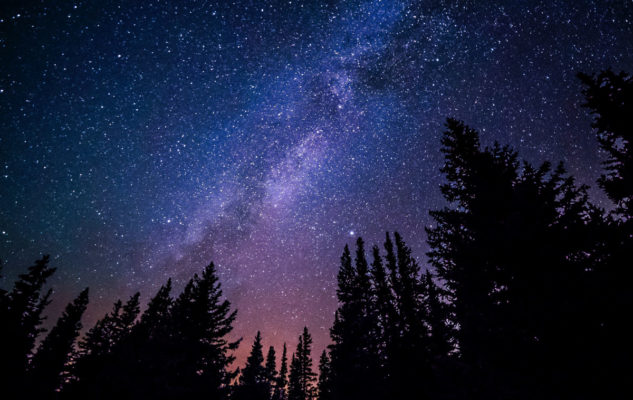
294, 200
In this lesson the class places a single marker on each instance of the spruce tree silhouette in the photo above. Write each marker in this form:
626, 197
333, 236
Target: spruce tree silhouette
254, 380
294, 378
282, 379
514, 253
21, 316
531, 301
271, 370
381, 344
386, 314
344, 331
48, 364
302, 378
324, 385
198, 352
137, 362
609, 97
410, 351
356, 351
178, 349
96, 362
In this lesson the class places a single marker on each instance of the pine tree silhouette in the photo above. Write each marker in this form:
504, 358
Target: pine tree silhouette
410, 357
254, 380
199, 352
514, 254
609, 97
302, 378
137, 362
96, 364
177, 349
325, 374
271, 370
294, 379
21, 316
48, 364
385, 308
356, 333
282, 379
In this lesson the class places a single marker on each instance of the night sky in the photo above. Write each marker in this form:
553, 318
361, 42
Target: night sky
140, 140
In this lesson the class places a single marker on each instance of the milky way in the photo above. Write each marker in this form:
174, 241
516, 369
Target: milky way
141, 140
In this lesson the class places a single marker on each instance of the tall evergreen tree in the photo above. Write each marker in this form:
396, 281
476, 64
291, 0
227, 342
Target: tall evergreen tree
282, 379
271, 370
409, 347
345, 332
21, 323
302, 378
54, 351
356, 351
510, 238
254, 371
609, 97
200, 352
294, 379
254, 381
325, 374
454, 252
386, 316
94, 366
178, 348
138, 361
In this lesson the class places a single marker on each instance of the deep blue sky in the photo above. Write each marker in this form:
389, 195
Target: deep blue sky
142, 139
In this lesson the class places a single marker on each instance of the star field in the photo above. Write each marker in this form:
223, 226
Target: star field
141, 140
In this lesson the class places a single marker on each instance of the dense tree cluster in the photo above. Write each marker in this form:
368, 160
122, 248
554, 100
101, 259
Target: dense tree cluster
176, 349
390, 330
532, 299
526, 296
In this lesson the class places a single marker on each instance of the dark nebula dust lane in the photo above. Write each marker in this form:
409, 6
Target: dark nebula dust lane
141, 140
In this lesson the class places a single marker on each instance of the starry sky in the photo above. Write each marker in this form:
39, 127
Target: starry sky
140, 140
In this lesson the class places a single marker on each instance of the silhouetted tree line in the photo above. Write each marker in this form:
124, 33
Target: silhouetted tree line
531, 294
176, 349
530, 298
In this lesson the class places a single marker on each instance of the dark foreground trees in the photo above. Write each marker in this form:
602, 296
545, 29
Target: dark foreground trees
176, 349
610, 100
384, 343
254, 383
301, 383
534, 300
50, 362
516, 253
529, 298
